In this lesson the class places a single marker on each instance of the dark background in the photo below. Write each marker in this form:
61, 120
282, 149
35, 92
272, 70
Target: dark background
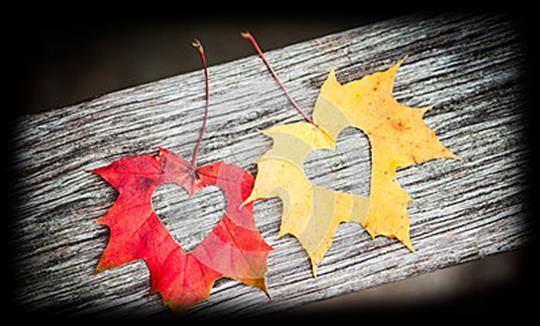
60, 61
68, 62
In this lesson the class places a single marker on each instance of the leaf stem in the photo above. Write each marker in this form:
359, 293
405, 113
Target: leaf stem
197, 44
250, 38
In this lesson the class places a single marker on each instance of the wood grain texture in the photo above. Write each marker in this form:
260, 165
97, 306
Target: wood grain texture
469, 67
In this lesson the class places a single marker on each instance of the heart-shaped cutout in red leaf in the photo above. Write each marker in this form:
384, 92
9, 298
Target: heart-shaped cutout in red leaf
182, 213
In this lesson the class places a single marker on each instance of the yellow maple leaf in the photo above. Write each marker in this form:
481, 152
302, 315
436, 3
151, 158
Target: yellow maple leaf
398, 137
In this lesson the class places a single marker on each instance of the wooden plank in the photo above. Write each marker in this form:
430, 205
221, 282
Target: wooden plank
468, 66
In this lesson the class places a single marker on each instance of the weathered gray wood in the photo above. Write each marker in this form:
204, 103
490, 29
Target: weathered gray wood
469, 67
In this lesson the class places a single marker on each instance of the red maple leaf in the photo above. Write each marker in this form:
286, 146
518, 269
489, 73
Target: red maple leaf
234, 249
